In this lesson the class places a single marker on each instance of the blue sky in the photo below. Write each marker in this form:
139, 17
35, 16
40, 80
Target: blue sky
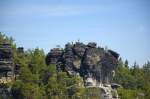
121, 25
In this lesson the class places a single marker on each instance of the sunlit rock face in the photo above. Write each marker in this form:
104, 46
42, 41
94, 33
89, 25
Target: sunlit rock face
87, 60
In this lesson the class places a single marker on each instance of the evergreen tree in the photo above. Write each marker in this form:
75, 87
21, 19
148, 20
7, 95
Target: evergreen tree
126, 64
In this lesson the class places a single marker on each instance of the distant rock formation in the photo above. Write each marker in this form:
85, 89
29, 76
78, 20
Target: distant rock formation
20, 50
6, 69
54, 56
94, 64
6, 63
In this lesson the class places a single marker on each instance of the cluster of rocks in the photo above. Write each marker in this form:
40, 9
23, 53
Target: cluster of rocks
93, 64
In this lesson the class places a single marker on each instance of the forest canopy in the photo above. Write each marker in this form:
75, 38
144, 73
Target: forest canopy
37, 80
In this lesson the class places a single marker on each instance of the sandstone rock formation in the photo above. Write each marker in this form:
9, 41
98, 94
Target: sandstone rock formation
6, 64
6, 68
94, 64
53, 56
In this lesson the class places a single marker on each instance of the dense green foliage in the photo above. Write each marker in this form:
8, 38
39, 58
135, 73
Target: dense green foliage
39, 81
135, 80
36, 80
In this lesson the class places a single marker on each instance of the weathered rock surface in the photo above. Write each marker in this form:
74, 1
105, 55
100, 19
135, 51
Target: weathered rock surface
94, 64
6, 68
87, 60
53, 56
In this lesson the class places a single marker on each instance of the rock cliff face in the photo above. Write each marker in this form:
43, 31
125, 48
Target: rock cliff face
94, 64
6, 68
6, 64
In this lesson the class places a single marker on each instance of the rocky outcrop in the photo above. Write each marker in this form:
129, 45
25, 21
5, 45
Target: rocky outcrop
6, 69
87, 60
20, 50
6, 64
53, 56
94, 64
